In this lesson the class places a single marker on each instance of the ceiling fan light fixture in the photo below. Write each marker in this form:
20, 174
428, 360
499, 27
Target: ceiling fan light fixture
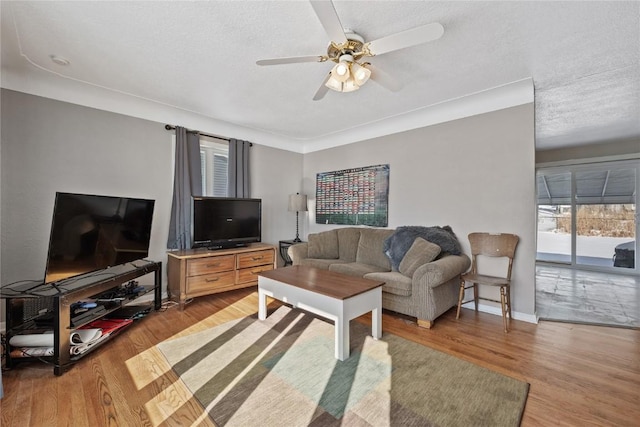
334, 84
350, 85
360, 73
341, 71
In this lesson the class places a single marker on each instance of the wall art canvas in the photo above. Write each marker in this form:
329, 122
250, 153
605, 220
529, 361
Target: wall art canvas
357, 196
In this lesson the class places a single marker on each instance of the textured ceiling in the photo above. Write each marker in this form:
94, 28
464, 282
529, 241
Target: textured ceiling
150, 58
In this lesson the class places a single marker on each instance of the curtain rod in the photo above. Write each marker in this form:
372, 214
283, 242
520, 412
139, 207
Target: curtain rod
169, 127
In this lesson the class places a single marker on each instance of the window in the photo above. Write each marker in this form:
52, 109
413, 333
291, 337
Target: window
214, 158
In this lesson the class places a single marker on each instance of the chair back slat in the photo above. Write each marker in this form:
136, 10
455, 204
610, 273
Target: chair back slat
493, 244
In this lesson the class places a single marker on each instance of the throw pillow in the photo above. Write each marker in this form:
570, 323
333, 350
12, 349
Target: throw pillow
370, 247
323, 245
397, 245
420, 252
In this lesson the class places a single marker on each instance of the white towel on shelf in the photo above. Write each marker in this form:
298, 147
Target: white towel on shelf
33, 352
77, 337
33, 340
85, 336
83, 348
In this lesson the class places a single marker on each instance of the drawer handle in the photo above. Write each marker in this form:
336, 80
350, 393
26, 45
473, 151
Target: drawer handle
256, 258
213, 265
215, 279
256, 271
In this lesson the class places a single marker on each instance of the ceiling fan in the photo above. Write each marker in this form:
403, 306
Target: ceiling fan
349, 51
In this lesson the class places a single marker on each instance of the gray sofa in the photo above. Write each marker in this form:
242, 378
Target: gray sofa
426, 283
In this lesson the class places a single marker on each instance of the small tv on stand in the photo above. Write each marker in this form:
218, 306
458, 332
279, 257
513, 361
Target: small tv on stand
226, 222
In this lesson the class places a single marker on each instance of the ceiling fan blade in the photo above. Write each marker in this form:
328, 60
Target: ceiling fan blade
408, 38
291, 60
384, 79
322, 91
329, 19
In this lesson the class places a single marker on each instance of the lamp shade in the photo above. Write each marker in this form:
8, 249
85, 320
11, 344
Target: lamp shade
297, 203
350, 85
360, 73
341, 71
334, 84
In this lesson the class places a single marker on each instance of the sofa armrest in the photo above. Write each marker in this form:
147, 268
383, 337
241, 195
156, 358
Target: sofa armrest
442, 270
298, 252
435, 287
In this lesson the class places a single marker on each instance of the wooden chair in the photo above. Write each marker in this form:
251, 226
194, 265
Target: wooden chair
490, 245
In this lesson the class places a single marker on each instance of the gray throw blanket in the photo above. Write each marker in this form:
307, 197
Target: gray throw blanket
398, 244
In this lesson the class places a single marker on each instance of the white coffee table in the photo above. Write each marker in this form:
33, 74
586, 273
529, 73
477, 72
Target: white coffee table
334, 296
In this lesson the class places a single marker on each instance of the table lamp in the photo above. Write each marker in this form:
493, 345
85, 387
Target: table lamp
297, 203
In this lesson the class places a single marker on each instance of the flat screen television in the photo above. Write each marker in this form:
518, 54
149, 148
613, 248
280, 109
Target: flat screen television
91, 232
225, 222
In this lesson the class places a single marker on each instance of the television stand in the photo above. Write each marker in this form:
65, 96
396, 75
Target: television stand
197, 272
57, 298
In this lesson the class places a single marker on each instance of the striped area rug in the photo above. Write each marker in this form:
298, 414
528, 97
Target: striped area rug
282, 372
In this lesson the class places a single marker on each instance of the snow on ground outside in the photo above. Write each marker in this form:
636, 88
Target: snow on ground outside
592, 246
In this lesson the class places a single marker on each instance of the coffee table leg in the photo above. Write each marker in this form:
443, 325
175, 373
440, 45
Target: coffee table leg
376, 323
262, 304
342, 338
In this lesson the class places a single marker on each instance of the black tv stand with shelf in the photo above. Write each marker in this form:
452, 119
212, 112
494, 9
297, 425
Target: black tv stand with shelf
62, 295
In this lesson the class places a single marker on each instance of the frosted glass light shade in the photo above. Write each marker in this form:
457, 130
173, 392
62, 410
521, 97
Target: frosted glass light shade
347, 75
360, 73
334, 84
341, 71
350, 85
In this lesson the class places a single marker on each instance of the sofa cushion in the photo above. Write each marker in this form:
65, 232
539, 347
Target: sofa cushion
420, 253
323, 245
348, 239
320, 263
370, 247
354, 268
394, 282
399, 243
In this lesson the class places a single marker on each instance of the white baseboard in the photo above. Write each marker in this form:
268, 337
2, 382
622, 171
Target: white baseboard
529, 318
3, 327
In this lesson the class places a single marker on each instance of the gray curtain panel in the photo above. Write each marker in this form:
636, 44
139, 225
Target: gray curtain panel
238, 168
187, 182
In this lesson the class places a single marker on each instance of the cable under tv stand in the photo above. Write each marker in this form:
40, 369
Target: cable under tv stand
64, 294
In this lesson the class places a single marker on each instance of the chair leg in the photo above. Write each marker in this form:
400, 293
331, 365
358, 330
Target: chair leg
509, 301
460, 298
475, 295
503, 298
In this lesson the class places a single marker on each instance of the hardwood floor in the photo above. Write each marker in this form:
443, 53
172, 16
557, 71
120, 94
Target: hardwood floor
579, 375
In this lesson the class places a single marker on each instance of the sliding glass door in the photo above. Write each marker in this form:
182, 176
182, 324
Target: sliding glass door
587, 216
554, 217
605, 217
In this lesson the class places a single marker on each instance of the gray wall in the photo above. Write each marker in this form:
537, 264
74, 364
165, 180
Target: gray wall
474, 174
50, 146
276, 174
